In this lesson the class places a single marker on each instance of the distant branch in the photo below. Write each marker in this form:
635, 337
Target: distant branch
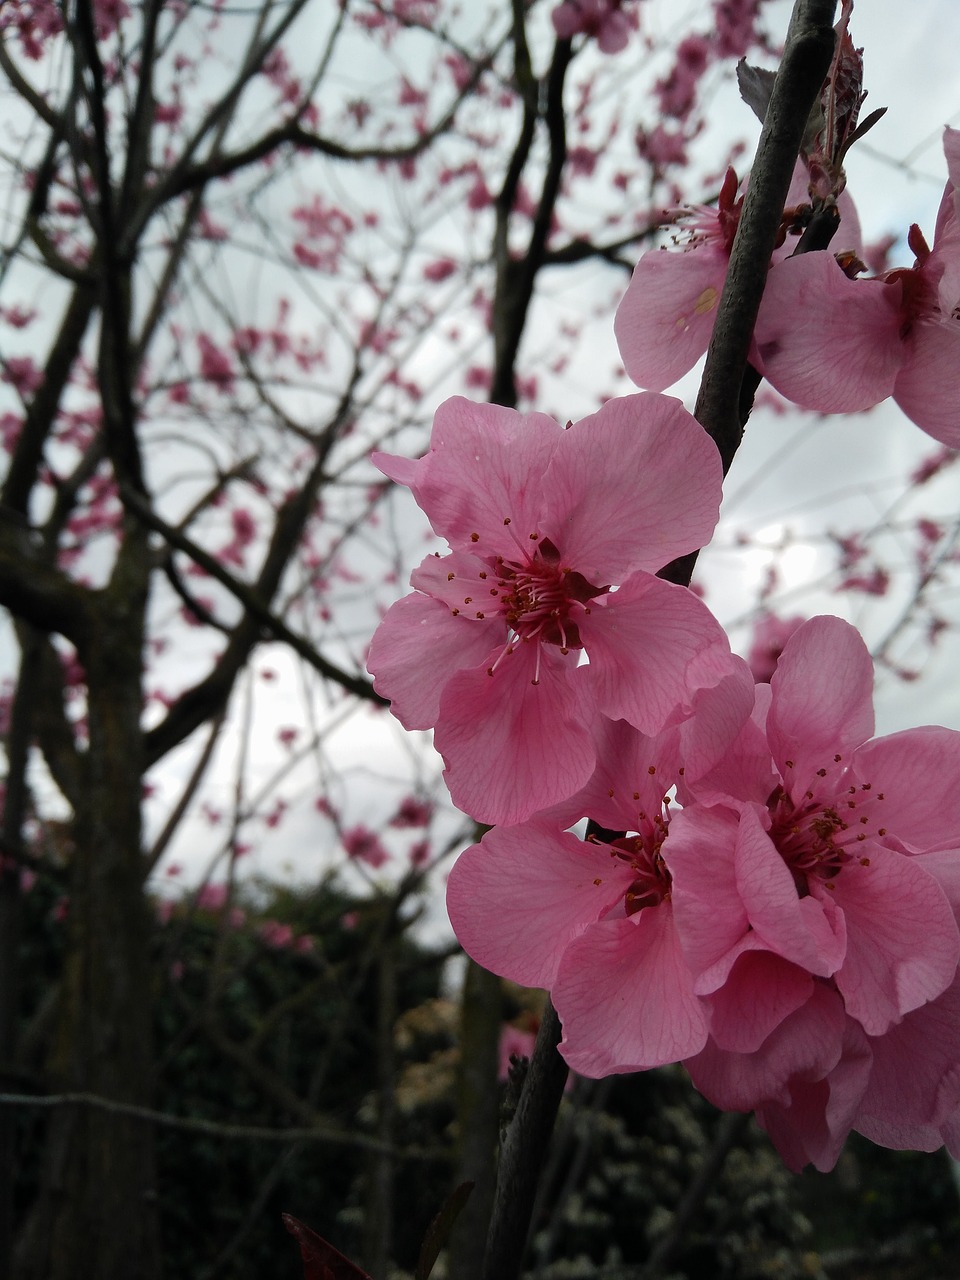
194, 1124
257, 610
293, 134
42, 411
583, 250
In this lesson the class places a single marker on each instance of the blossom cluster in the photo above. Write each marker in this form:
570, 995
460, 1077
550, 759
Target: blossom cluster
827, 337
762, 891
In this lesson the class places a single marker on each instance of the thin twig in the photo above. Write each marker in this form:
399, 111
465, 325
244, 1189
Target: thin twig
216, 1129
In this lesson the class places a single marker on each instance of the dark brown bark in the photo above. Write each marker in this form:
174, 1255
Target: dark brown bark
97, 1213
478, 1117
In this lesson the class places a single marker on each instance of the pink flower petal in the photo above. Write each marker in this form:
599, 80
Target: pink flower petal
625, 998
720, 714
511, 746
710, 916
682, 645
915, 1078
806, 931
633, 774
746, 770
417, 648
665, 319
519, 898
635, 445
463, 583
822, 704
926, 386
396, 468
814, 1127
806, 1045
899, 768
902, 940
827, 342
478, 476
760, 992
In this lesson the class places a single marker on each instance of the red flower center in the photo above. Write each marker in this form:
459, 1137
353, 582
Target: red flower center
641, 852
817, 835
538, 595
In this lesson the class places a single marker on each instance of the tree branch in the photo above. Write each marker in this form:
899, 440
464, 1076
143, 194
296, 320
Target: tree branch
806, 60
32, 589
319, 1132
251, 599
524, 1153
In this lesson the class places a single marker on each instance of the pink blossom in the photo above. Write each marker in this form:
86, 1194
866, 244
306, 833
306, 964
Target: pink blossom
514, 1043
543, 523
163, 908
275, 934
665, 320
412, 813
734, 26
677, 93
108, 14
826, 898
439, 269
840, 345
592, 921
326, 231
35, 22
770, 634
212, 897
215, 364
418, 854
22, 373
602, 19
364, 845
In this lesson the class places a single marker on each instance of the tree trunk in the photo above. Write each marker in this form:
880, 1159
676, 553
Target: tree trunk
96, 1214
478, 1117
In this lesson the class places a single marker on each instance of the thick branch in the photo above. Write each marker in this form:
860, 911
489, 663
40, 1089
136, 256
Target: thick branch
52, 728
35, 591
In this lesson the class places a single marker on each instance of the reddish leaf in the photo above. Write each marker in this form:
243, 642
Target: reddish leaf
321, 1261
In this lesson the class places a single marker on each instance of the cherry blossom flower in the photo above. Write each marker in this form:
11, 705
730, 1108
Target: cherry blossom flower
515, 1042
665, 319
592, 920
364, 845
555, 536
412, 812
840, 345
604, 19
828, 897
664, 322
